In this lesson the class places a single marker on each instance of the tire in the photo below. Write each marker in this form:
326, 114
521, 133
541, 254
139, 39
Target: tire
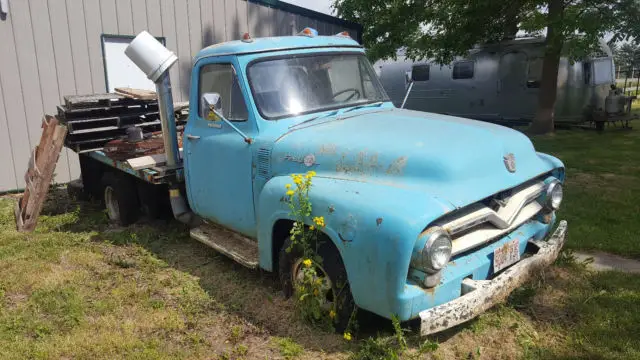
120, 198
154, 201
333, 266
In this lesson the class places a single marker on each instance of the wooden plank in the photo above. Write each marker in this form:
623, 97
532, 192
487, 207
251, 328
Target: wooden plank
93, 24
13, 96
125, 17
47, 72
40, 173
137, 93
139, 14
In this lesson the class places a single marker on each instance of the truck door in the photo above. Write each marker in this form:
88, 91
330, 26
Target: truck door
217, 159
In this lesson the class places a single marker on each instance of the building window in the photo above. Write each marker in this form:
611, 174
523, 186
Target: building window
420, 73
463, 69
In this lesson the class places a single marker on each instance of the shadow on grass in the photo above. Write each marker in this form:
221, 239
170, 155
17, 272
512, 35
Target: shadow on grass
253, 295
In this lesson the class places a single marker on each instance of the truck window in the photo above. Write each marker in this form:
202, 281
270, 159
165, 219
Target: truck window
287, 86
222, 79
463, 69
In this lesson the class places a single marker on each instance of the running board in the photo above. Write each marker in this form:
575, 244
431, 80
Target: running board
237, 247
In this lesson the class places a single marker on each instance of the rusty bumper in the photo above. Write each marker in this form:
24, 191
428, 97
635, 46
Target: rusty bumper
480, 295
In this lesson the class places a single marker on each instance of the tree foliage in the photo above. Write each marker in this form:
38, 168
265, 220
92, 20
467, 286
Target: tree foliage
440, 30
627, 57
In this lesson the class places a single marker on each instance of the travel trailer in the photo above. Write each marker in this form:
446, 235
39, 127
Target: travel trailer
500, 83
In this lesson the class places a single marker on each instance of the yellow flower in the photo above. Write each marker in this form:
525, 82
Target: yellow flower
307, 262
347, 336
288, 186
319, 221
311, 174
332, 314
315, 292
290, 192
312, 227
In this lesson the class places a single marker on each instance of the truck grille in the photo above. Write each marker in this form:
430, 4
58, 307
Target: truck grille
491, 218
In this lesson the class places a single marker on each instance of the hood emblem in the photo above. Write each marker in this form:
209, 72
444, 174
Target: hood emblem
510, 162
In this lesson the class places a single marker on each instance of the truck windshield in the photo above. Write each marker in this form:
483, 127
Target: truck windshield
299, 85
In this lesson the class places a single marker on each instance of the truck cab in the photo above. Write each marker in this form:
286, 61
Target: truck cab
426, 216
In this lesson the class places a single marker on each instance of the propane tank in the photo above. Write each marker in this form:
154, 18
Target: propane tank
614, 102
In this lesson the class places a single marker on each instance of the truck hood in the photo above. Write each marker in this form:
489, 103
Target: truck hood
456, 161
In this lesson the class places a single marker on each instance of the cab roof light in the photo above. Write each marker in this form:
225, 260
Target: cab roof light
309, 32
247, 38
343, 34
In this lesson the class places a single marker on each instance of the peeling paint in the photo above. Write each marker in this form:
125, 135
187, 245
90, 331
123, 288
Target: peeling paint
397, 166
328, 149
379, 221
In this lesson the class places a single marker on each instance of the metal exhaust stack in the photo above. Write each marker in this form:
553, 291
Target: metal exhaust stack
155, 60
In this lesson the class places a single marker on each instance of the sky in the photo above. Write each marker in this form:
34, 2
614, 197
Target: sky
323, 6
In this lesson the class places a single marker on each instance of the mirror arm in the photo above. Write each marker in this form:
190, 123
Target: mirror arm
407, 95
247, 139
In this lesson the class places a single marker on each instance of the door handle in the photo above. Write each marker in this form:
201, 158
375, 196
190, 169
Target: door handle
193, 137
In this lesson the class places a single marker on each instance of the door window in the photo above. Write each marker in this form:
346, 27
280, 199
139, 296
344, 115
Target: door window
222, 79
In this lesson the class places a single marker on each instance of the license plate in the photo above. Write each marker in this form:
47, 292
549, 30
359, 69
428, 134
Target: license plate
506, 255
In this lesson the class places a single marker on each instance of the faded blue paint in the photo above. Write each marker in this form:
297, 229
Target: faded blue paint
383, 175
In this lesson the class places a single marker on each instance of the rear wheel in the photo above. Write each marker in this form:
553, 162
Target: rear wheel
335, 285
120, 198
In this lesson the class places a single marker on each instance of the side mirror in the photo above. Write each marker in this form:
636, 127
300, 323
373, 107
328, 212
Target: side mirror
420, 72
211, 107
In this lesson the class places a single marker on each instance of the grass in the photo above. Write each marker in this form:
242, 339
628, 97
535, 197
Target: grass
80, 288
602, 194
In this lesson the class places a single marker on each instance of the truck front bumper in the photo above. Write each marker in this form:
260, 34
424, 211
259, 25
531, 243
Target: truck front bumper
480, 295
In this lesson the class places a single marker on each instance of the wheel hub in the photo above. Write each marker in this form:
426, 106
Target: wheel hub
111, 203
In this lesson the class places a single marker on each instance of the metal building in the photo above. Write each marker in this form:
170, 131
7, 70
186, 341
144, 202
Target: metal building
53, 48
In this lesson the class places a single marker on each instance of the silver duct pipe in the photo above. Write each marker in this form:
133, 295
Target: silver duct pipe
167, 119
155, 60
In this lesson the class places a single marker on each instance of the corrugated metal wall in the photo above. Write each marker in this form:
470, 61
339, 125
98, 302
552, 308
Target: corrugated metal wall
52, 48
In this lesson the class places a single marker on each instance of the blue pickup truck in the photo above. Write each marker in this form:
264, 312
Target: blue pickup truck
426, 216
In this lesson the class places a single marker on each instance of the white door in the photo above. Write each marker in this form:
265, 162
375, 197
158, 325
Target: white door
119, 70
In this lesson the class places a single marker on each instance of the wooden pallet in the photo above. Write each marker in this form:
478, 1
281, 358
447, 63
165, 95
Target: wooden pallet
40, 173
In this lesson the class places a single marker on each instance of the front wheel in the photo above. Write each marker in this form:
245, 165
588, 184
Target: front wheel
336, 293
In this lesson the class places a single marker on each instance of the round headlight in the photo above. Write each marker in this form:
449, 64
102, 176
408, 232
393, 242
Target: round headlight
436, 252
554, 195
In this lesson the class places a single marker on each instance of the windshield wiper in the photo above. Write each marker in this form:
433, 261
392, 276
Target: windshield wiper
339, 112
332, 113
374, 104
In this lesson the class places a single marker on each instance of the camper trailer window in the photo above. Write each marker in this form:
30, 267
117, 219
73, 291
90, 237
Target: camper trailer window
463, 70
420, 73
534, 73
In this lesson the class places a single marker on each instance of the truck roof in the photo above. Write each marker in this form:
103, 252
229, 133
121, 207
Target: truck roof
265, 44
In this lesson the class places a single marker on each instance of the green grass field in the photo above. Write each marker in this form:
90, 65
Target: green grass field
80, 288
602, 199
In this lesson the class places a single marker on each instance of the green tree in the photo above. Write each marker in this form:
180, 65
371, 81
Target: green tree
442, 29
627, 59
